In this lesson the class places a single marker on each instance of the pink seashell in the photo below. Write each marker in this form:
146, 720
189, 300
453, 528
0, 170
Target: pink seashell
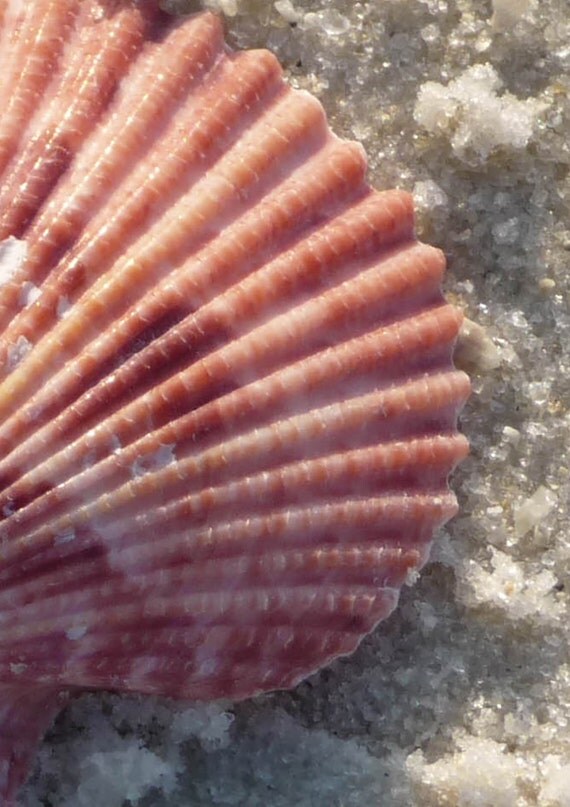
227, 400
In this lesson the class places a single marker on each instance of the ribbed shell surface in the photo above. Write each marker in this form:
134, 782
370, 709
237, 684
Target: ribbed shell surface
227, 399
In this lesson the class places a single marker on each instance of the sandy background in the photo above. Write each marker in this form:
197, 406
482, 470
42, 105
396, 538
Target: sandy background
462, 697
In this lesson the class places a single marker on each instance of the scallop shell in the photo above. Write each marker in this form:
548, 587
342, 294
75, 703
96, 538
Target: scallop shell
227, 399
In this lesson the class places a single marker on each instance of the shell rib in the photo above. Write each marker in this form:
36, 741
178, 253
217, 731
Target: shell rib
228, 408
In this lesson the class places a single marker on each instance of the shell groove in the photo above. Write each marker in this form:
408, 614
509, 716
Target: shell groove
227, 399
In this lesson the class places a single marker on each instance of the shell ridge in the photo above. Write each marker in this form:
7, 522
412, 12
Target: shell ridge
407, 519
243, 606
252, 277
320, 109
363, 565
363, 348
173, 214
88, 83
385, 466
282, 437
59, 346
86, 258
34, 38
199, 61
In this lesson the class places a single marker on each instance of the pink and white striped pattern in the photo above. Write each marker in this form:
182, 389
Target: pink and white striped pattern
228, 408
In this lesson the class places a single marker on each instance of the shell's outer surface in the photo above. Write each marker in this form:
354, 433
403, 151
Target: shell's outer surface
227, 399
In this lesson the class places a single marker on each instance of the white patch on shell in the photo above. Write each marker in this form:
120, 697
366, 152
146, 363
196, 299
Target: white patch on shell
13, 255
75, 633
64, 537
163, 456
18, 352
18, 669
29, 294
142, 669
108, 532
208, 668
88, 460
32, 413
63, 307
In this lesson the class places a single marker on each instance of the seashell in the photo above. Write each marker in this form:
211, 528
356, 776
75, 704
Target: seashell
227, 400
